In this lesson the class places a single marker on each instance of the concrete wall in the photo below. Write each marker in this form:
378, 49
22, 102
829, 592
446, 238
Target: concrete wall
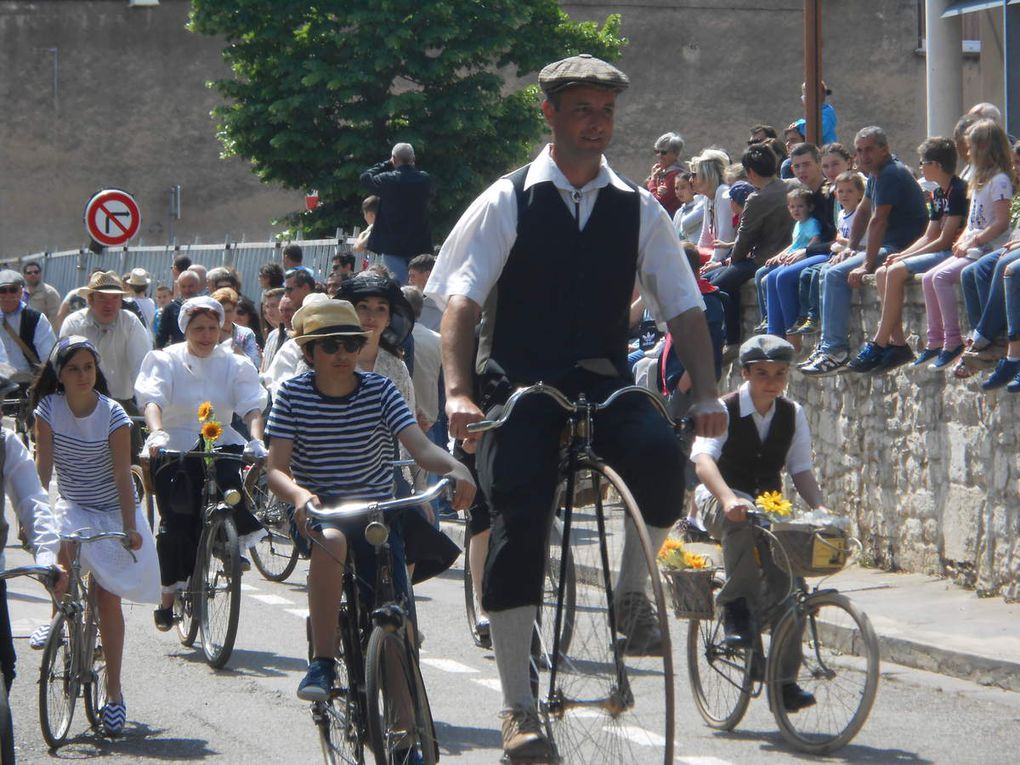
926, 466
127, 107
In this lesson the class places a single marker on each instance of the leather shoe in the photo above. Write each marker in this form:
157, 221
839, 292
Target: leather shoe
737, 624
796, 698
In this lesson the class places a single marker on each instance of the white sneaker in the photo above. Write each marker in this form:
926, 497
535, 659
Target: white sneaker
37, 640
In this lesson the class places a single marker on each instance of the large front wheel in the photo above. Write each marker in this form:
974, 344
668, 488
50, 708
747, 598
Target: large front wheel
58, 682
219, 584
827, 646
612, 697
400, 727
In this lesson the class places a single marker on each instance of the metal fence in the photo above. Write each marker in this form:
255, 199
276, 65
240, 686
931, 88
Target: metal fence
69, 269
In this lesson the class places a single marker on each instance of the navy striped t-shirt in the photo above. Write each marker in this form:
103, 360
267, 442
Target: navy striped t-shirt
81, 450
342, 447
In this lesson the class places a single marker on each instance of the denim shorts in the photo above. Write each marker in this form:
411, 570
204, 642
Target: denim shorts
918, 264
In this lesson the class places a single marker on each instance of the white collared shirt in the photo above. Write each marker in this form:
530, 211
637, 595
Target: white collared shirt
122, 344
474, 254
798, 458
30, 501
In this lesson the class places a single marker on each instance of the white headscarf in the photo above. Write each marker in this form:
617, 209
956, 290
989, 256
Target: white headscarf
191, 305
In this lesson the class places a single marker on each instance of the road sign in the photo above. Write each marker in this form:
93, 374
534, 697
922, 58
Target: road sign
112, 217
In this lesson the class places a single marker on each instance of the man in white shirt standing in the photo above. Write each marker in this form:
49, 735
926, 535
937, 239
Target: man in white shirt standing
26, 333
564, 272
120, 338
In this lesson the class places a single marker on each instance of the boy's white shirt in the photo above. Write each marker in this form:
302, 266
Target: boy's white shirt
30, 501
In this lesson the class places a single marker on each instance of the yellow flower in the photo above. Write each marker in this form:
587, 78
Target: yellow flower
693, 560
205, 411
772, 503
212, 430
673, 557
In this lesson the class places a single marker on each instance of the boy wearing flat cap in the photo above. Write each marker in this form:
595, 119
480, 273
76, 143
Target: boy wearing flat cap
331, 434
766, 433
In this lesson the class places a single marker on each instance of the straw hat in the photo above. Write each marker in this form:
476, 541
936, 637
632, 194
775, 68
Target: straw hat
139, 277
103, 281
321, 316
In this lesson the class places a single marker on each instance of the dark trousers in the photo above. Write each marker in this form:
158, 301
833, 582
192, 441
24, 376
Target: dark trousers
517, 466
8, 658
730, 279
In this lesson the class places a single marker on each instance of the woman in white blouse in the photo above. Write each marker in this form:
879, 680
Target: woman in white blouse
171, 386
717, 225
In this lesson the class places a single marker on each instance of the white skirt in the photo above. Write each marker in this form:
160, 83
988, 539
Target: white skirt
111, 565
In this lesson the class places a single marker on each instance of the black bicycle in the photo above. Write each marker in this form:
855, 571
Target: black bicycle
211, 603
600, 704
46, 576
379, 695
274, 555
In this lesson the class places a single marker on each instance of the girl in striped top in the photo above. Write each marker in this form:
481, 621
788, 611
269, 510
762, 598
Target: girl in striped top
87, 436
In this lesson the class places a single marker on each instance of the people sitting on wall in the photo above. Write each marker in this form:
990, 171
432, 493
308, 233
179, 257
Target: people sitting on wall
661, 178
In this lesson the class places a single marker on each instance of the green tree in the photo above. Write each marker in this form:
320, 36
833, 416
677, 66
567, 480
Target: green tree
322, 90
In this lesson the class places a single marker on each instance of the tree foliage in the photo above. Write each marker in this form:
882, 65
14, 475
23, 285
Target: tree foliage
321, 90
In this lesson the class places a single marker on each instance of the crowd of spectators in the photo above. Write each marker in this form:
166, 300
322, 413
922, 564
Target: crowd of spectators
810, 224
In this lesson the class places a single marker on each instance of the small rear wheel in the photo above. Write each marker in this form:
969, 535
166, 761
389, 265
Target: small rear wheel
720, 676
220, 590
399, 720
827, 646
58, 683
274, 555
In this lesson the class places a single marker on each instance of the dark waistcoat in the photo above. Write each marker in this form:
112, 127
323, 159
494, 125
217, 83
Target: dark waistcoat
747, 464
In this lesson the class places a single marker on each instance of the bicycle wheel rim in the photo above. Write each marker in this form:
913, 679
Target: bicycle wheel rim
719, 675
220, 584
397, 732
274, 555
839, 665
58, 684
337, 720
592, 715
184, 616
470, 612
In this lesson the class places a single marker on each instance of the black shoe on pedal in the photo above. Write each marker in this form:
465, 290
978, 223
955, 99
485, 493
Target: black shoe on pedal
637, 621
737, 624
796, 698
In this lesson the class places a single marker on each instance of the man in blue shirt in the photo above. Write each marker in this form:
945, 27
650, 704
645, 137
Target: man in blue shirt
892, 214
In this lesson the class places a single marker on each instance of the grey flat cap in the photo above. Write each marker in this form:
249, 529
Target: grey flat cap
584, 69
7, 276
766, 348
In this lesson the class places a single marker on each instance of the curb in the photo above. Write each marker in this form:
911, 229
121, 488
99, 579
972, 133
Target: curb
996, 671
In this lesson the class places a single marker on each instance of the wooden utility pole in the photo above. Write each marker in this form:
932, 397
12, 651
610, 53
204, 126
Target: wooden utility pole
813, 71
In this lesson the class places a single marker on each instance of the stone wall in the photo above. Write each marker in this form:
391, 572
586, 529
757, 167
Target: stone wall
926, 466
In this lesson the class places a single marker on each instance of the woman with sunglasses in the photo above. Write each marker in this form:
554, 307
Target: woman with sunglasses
246, 315
171, 387
662, 178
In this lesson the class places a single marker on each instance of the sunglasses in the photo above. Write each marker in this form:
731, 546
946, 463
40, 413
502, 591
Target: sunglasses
331, 345
32, 273
10, 290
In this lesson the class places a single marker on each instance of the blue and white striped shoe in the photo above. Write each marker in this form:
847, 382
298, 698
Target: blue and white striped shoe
114, 715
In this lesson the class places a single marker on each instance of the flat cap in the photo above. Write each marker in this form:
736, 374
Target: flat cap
766, 348
583, 69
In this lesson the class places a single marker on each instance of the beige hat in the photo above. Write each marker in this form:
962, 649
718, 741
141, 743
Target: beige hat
104, 281
322, 316
139, 277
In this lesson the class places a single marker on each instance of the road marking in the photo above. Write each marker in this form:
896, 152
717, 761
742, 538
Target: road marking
272, 600
449, 665
703, 761
639, 736
245, 587
302, 612
491, 683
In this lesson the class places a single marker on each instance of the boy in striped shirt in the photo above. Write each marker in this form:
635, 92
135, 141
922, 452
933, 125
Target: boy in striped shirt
332, 431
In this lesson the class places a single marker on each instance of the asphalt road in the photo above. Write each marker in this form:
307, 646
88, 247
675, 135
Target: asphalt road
180, 710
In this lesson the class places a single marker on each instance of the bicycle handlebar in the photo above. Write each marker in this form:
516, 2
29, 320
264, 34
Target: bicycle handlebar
78, 537
572, 407
213, 455
352, 511
47, 576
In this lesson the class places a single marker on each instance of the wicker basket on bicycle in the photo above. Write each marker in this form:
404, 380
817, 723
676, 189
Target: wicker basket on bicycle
813, 550
691, 592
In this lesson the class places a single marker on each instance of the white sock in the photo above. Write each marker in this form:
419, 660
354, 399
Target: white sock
511, 641
633, 569
1013, 358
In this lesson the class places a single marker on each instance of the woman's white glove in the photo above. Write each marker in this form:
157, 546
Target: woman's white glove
158, 439
256, 449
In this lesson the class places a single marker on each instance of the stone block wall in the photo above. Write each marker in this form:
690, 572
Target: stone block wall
926, 466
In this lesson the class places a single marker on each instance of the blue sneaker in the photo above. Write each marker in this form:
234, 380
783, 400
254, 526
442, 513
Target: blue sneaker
867, 359
947, 357
926, 355
318, 680
1004, 372
1014, 387
407, 757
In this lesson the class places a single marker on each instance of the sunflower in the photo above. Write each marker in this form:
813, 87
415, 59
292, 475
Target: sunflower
205, 411
772, 503
212, 430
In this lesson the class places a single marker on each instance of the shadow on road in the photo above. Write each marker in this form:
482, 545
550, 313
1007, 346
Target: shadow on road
253, 663
139, 742
455, 740
773, 742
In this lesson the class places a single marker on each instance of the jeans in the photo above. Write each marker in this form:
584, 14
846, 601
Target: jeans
398, 266
759, 285
729, 280
983, 292
836, 295
1011, 287
810, 290
782, 288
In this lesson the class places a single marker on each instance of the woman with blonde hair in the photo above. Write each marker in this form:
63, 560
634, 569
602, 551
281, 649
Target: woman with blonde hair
707, 171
